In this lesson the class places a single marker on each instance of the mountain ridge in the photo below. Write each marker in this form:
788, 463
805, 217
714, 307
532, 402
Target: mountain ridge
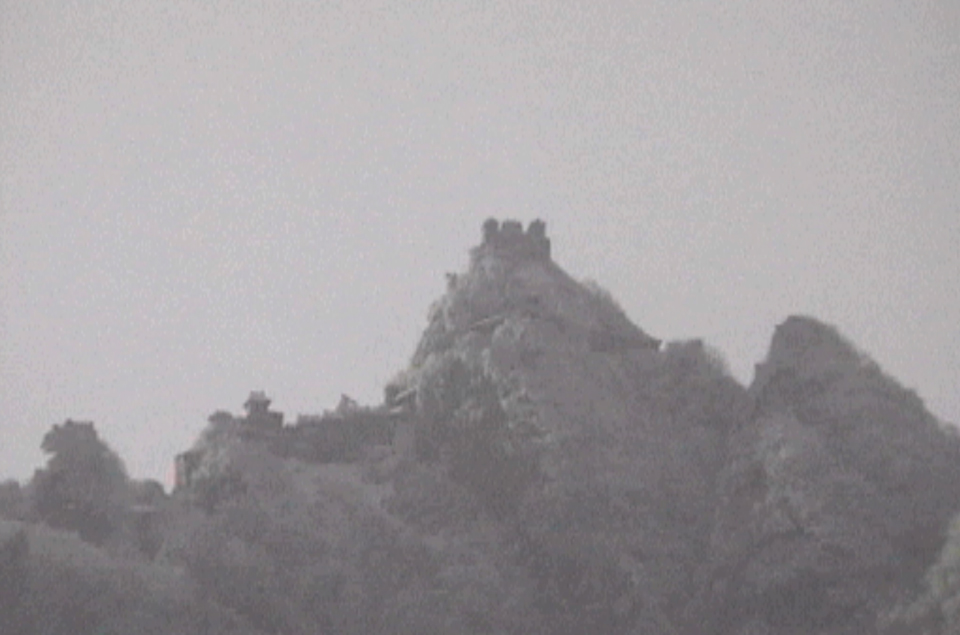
543, 465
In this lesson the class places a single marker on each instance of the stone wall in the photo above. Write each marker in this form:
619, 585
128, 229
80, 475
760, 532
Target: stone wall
335, 438
509, 240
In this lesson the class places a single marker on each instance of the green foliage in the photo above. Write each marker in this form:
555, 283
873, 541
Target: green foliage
14, 550
213, 490
84, 486
465, 426
69, 587
937, 610
251, 542
697, 386
604, 296
425, 498
436, 339
578, 593
238, 574
13, 502
147, 492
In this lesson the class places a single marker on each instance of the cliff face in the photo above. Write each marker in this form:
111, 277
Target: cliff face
834, 498
625, 439
569, 473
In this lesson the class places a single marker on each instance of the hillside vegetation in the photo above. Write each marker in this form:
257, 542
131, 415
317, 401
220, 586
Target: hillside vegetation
542, 465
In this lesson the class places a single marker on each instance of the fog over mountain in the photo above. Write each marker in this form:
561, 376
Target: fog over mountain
199, 199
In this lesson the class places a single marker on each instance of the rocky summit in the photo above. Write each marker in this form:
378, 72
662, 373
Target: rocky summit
544, 465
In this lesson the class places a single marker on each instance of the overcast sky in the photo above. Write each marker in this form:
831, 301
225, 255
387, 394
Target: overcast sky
202, 198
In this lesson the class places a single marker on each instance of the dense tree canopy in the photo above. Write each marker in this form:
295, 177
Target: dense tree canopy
84, 486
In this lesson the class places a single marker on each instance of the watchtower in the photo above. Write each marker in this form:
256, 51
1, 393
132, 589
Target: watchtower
509, 241
259, 413
257, 402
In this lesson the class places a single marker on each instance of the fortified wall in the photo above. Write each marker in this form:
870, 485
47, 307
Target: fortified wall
508, 240
340, 436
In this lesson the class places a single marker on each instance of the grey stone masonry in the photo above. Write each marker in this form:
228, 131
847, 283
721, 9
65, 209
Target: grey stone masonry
509, 240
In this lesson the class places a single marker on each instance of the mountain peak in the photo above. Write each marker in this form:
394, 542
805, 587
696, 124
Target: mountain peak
512, 282
807, 347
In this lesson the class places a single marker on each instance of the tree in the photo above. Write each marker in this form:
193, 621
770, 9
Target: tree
465, 427
84, 487
12, 501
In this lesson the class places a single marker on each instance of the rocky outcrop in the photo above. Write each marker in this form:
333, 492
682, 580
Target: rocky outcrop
514, 284
624, 439
833, 500
565, 472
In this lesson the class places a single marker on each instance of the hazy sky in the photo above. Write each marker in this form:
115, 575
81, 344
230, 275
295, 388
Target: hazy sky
201, 198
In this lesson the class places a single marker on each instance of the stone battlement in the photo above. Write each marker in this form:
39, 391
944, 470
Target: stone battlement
339, 436
509, 240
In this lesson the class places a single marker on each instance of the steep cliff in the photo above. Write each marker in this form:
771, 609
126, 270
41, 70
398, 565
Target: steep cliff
834, 498
562, 471
622, 441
